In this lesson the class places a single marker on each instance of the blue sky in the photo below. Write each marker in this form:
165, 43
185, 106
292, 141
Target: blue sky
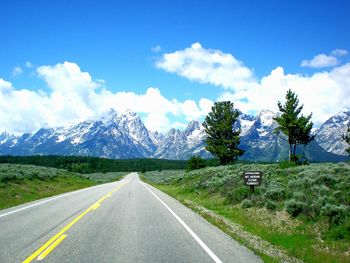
115, 41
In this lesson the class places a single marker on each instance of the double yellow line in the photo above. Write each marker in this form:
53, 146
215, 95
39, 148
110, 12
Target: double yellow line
50, 245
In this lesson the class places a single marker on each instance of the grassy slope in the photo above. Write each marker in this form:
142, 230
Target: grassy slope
24, 183
306, 236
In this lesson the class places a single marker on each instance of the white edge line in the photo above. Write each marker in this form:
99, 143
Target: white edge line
51, 199
188, 229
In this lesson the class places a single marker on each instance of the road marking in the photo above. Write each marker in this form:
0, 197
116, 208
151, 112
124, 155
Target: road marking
188, 229
96, 206
48, 200
74, 221
51, 247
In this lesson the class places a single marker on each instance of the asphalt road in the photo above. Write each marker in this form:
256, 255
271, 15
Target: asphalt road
125, 221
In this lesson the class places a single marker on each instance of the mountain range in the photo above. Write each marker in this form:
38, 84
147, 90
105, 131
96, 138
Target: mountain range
122, 136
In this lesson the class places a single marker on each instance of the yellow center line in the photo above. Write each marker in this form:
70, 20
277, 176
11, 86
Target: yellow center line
51, 247
96, 206
75, 220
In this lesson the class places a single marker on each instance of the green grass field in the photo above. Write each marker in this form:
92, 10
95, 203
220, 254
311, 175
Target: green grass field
297, 213
24, 183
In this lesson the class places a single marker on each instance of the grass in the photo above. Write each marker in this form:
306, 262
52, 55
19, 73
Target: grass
24, 183
218, 194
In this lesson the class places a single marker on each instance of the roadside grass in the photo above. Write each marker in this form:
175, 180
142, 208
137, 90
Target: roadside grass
218, 195
101, 178
24, 183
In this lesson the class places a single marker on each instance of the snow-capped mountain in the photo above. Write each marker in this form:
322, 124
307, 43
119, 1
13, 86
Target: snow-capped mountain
258, 139
178, 144
329, 135
125, 136
112, 136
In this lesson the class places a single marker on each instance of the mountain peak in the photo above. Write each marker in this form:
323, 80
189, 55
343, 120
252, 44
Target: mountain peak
129, 112
266, 113
266, 117
111, 114
192, 125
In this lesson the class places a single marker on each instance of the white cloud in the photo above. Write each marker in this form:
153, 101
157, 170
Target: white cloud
5, 85
322, 60
156, 49
339, 52
207, 66
17, 71
323, 93
74, 96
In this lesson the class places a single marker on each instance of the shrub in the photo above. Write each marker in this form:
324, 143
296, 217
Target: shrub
246, 203
294, 207
299, 196
339, 231
238, 194
326, 179
270, 205
335, 213
286, 164
276, 193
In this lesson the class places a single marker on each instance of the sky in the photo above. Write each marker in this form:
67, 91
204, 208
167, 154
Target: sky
62, 62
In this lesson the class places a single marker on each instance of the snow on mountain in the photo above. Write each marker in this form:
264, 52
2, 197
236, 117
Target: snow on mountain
244, 123
125, 136
178, 144
131, 124
259, 141
329, 135
7, 139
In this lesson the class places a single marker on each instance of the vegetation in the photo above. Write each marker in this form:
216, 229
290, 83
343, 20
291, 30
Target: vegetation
222, 140
101, 178
195, 162
296, 128
85, 165
24, 183
302, 210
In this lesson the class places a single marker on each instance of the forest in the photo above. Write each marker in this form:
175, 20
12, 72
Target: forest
85, 164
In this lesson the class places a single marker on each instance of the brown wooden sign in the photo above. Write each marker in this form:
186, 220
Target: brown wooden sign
252, 178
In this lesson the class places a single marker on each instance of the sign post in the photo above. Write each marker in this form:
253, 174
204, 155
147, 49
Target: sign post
252, 178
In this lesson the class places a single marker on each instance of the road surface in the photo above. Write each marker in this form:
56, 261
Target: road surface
124, 221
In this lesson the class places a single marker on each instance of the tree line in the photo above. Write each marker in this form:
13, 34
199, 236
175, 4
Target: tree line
85, 164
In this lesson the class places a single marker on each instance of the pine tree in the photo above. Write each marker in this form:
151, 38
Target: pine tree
195, 162
297, 128
222, 140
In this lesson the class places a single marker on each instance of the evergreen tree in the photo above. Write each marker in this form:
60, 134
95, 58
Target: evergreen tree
222, 140
296, 127
195, 162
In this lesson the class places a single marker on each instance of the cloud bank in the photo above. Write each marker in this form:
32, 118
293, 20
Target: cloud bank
74, 96
207, 66
323, 61
323, 93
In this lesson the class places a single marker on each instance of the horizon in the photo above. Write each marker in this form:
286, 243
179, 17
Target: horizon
59, 70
